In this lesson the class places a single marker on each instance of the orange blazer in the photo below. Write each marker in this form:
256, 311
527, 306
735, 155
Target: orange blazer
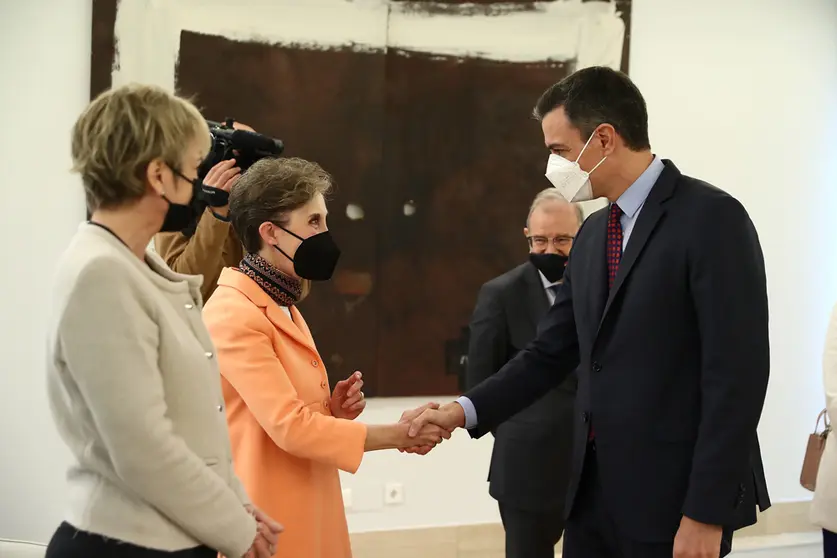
287, 447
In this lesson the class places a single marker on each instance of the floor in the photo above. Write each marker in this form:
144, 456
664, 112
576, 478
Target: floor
791, 545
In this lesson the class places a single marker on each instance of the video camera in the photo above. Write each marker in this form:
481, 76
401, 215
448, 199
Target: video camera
246, 147
243, 146
228, 143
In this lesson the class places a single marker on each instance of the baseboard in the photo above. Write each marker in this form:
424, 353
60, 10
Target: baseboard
487, 540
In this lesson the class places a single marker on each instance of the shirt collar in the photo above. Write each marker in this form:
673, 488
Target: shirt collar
545, 281
632, 199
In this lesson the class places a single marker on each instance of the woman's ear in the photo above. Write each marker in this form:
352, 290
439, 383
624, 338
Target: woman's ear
267, 231
154, 176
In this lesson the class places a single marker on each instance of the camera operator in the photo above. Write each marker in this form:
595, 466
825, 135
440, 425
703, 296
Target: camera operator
212, 245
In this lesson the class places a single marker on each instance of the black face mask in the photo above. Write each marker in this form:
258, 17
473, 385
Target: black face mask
551, 265
180, 216
316, 257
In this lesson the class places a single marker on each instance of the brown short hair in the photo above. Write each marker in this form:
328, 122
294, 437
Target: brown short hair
269, 190
121, 131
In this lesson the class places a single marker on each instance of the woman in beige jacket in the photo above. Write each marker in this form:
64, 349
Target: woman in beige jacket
132, 376
824, 506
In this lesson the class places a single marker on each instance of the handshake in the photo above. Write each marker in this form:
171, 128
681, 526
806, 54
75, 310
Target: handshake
418, 431
429, 424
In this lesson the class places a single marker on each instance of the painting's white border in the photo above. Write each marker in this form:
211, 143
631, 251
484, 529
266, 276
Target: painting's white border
147, 32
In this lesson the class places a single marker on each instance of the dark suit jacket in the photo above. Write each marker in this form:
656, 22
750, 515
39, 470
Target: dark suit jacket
530, 463
672, 362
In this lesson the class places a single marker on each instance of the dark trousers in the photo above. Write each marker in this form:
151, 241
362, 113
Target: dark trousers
69, 542
591, 532
531, 534
829, 544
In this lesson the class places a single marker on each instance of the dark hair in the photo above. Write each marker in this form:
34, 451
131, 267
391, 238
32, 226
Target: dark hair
599, 95
269, 190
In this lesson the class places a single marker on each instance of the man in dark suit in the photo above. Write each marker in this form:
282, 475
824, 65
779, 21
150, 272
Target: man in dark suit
663, 311
531, 458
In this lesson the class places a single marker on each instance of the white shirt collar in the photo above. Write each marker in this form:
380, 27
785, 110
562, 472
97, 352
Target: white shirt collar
545, 281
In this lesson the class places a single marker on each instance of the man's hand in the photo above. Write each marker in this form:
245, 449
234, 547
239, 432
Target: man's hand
697, 540
450, 417
407, 417
347, 399
224, 175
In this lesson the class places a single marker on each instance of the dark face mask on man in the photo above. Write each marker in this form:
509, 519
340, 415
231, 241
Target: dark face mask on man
315, 258
551, 265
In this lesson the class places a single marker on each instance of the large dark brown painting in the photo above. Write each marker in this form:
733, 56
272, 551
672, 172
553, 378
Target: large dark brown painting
427, 133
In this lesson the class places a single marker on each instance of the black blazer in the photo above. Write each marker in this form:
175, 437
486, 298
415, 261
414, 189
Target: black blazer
530, 462
673, 361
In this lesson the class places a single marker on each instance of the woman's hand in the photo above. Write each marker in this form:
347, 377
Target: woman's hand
408, 416
427, 438
264, 545
397, 436
347, 400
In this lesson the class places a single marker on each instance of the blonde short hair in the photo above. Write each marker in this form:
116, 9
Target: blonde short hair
123, 130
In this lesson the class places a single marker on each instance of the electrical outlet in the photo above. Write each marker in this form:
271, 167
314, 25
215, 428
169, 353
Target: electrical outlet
393, 494
347, 499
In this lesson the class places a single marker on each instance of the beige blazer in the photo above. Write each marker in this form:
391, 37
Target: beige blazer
824, 506
135, 391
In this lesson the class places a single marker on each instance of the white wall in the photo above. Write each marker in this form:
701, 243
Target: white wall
742, 94
44, 76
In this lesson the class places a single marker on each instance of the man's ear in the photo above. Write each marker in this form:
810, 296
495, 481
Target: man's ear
606, 137
526, 232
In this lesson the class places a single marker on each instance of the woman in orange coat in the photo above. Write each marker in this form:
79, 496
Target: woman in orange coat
289, 433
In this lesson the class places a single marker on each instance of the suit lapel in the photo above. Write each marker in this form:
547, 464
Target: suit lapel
536, 298
240, 282
597, 265
285, 324
649, 216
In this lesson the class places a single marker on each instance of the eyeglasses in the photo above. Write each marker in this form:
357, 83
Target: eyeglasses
542, 242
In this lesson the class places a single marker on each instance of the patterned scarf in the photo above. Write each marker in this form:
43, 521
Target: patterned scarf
281, 288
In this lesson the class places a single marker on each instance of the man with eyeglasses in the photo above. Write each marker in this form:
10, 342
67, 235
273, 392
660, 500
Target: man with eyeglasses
530, 464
